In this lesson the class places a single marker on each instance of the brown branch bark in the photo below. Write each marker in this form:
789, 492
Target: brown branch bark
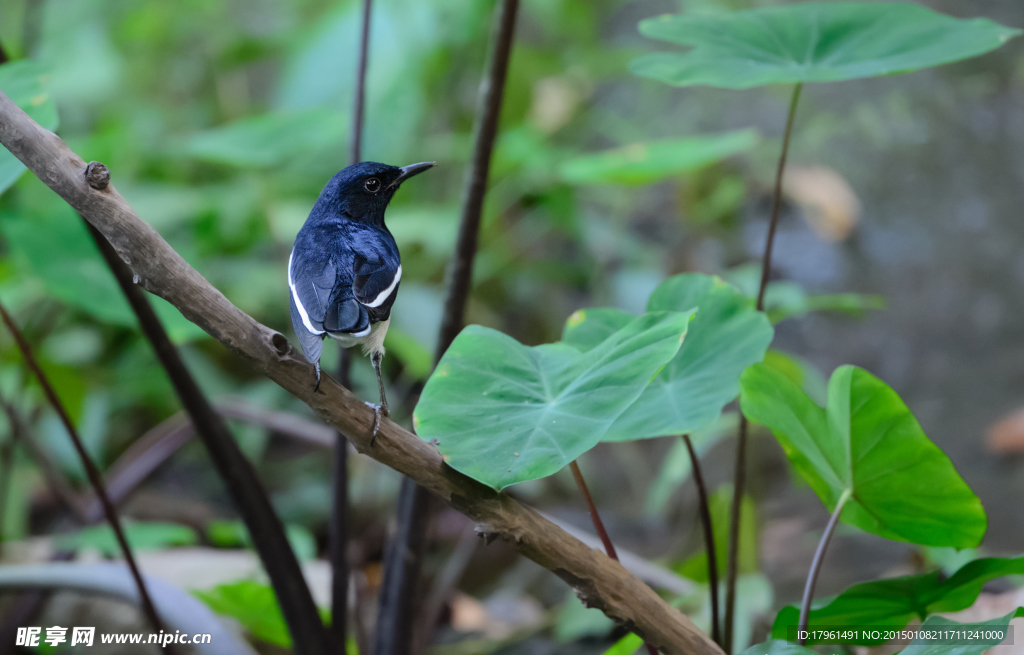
599, 581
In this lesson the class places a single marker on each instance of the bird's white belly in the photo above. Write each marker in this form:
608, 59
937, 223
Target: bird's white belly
371, 343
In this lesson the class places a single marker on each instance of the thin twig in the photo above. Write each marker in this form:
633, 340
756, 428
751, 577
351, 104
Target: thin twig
399, 596
91, 470
338, 527
268, 535
741, 446
819, 558
609, 547
709, 537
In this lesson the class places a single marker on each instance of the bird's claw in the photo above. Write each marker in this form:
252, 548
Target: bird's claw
317, 387
379, 411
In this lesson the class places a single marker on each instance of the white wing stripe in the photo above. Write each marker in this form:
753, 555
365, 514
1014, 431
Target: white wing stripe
383, 295
298, 303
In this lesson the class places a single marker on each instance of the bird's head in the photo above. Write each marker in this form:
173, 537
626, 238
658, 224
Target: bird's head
362, 191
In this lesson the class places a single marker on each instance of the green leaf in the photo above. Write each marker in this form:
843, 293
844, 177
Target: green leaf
148, 535
504, 413
647, 163
25, 82
725, 337
867, 443
628, 645
783, 300
254, 605
896, 601
812, 42
269, 139
56, 247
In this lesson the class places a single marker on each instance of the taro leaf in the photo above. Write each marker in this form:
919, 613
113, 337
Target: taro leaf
869, 444
24, 82
141, 535
504, 413
896, 601
812, 42
725, 337
647, 163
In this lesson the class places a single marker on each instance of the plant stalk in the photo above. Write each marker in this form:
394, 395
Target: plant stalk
741, 446
609, 547
709, 538
819, 557
91, 470
403, 558
338, 528
243, 485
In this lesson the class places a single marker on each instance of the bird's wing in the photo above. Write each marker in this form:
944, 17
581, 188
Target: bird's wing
376, 282
310, 283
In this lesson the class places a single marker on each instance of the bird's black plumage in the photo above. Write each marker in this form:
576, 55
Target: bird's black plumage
345, 269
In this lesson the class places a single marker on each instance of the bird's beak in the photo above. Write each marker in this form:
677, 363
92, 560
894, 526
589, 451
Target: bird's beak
412, 170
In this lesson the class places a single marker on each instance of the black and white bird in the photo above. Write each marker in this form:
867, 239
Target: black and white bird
344, 270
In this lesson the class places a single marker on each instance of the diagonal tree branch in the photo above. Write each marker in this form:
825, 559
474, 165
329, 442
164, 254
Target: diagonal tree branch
599, 581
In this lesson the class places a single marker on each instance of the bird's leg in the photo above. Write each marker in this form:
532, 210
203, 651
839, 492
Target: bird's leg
317, 387
382, 409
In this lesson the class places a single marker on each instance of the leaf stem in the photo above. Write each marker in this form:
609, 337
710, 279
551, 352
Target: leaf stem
741, 446
609, 547
709, 538
819, 557
338, 527
766, 262
91, 470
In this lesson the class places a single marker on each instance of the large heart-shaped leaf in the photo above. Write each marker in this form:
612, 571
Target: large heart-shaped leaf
646, 163
812, 42
725, 337
504, 413
897, 601
867, 443
24, 82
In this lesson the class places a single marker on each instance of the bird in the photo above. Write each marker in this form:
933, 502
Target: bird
344, 269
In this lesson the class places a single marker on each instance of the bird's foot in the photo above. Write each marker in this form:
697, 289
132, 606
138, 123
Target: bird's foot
379, 412
317, 387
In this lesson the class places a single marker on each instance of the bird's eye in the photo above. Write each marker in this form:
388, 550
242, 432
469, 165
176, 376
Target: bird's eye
372, 185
